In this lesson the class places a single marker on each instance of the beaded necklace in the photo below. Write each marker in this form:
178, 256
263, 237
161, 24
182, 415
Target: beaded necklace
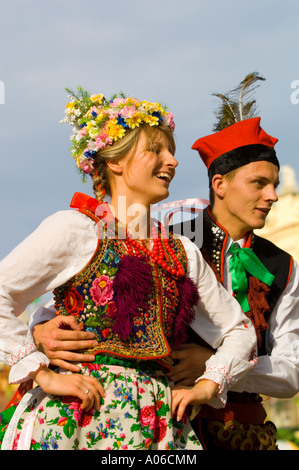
162, 253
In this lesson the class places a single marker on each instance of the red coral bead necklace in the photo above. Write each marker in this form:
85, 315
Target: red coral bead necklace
161, 254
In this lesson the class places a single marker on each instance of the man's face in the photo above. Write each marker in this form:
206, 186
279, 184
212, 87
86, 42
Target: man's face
246, 199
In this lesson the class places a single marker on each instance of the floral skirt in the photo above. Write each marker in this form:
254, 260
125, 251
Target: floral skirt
135, 415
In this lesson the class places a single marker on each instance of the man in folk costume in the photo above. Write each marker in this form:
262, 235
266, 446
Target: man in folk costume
243, 175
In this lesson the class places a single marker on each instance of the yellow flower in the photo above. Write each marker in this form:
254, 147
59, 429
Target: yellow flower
152, 106
97, 98
90, 124
114, 130
101, 117
151, 120
71, 105
134, 121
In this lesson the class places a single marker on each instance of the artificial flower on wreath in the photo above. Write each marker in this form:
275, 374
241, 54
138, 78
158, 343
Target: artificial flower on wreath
98, 122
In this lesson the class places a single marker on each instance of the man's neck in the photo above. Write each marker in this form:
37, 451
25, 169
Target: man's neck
231, 225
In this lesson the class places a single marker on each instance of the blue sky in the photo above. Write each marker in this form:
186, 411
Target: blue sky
175, 52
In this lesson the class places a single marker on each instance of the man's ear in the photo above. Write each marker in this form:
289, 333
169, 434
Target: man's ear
219, 185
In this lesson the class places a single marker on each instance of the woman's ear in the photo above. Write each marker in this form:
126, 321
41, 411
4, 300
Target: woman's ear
219, 185
115, 166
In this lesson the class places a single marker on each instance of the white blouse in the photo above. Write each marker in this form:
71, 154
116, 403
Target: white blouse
277, 373
61, 247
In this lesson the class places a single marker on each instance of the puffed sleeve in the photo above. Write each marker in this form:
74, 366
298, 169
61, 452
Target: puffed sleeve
59, 248
220, 322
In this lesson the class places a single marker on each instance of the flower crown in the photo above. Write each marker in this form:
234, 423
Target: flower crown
99, 122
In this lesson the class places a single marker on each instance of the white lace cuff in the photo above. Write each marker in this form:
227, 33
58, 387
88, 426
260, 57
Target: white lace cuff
30, 363
219, 376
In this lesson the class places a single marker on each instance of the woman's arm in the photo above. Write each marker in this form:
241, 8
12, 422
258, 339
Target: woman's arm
88, 389
52, 254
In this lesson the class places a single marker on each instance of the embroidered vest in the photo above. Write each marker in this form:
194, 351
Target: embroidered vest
94, 297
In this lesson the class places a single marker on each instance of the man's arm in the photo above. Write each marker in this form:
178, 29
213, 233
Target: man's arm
277, 374
60, 338
190, 362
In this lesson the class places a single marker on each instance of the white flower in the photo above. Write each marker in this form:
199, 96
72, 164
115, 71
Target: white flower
93, 146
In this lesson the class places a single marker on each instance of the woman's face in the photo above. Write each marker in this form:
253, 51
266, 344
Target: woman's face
148, 171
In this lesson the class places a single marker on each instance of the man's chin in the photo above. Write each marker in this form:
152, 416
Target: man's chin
259, 224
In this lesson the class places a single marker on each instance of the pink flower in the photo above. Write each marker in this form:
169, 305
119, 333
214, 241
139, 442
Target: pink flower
86, 165
147, 442
101, 290
117, 102
160, 430
62, 421
128, 111
103, 139
141, 390
168, 120
148, 416
100, 143
82, 417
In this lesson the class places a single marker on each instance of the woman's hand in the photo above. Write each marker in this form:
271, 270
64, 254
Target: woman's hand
75, 385
199, 394
57, 343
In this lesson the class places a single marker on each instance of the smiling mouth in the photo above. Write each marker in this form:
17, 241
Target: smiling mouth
164, 176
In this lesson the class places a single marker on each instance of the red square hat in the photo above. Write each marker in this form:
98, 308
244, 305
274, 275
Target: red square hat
236, 145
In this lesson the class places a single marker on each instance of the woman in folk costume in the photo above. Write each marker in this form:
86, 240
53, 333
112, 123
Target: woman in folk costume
137, 294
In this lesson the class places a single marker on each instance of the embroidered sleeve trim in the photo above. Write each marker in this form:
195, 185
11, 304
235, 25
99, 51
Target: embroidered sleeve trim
14, 358
221, 377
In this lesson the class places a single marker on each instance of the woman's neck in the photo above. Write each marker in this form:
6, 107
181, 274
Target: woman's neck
135, 216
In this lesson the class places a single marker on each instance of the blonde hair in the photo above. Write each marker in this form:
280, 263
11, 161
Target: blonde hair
120, 149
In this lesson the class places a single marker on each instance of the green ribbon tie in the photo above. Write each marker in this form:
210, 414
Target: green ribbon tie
242, 260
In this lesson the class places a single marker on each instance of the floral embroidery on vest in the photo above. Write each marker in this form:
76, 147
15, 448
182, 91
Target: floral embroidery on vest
90, 297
